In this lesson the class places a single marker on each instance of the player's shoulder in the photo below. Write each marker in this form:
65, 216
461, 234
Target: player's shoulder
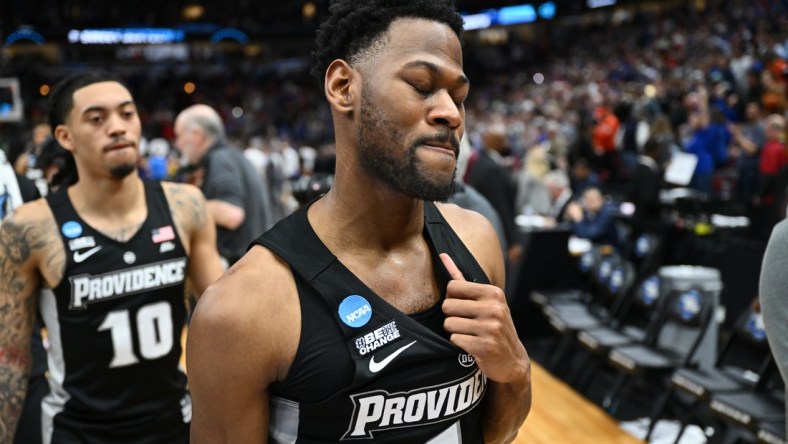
187, 204
256, 286
175, 190
253, 307
466, 223
477, 233
34, 214
31, 238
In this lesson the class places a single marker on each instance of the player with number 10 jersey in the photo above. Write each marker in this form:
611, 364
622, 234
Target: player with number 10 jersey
114, 325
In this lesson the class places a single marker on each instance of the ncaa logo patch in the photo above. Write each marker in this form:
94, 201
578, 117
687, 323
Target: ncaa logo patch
71, 229
355, 311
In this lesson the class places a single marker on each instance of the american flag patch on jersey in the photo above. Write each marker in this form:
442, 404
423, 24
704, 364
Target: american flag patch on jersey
162, 234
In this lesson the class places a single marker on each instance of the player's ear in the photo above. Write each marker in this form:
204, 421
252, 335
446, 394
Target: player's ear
64, 137
339, 80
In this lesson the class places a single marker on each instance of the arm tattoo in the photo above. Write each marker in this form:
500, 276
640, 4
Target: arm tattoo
14, 357
16, 244
17, 309
188, 210
199, 212
175, 198
13, 386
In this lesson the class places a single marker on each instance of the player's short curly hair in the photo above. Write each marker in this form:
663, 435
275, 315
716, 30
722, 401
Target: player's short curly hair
354, 26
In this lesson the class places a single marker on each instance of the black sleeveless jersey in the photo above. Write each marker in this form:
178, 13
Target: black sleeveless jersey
364, 370
114, 323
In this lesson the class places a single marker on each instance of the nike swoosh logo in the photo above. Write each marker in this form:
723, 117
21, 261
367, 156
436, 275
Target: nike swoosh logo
80, 257
375, 367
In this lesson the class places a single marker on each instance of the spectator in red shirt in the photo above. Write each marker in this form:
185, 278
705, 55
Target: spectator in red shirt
604, 140
605, 130
773, 156
773, 160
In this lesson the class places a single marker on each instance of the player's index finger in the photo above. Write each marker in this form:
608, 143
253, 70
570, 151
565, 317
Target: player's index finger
454, 272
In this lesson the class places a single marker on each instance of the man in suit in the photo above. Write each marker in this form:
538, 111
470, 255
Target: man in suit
557, 184
491, 177
643, 190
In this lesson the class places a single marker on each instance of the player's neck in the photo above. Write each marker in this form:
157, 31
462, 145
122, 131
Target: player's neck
373, 220
106, 196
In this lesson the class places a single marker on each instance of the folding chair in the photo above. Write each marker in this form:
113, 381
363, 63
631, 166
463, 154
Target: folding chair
771, 432
587, 263
646, 253
743, 358
638, 314
567, 319
753, 410
593, 300
689, 310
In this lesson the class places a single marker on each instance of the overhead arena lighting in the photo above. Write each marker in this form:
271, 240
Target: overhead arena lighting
24, 34
114, 36
477, 21
599, 3
231, 34
513, 15
510, 15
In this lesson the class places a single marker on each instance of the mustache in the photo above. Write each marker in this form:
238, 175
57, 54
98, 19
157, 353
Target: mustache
443, 137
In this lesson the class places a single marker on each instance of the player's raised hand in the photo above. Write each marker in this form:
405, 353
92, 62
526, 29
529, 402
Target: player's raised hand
479, 321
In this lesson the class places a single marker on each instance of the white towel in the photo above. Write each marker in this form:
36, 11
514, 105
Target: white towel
10, 196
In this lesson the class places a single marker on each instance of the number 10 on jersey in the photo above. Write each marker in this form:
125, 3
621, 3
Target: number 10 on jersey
154, 333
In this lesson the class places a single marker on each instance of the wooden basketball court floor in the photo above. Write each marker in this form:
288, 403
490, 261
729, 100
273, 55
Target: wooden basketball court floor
560, 415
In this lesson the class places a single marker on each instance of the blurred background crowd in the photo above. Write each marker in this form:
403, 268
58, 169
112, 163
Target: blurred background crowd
608, 119
581, 95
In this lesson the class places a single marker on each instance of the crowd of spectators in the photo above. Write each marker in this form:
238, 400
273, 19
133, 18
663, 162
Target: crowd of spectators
616, 96
593, 95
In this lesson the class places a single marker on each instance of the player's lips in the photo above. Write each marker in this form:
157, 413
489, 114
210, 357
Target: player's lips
443, 146
119, 146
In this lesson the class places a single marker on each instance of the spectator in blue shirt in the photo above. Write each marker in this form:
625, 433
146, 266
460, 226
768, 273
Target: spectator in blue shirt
594, 219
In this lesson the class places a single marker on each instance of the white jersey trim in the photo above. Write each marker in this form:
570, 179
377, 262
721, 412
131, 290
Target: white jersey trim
283, 421
54, 402
452, 435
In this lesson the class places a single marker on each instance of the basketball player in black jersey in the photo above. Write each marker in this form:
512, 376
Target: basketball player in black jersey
110, 254
372, 314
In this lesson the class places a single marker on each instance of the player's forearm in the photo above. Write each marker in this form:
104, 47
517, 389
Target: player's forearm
226, 215
506, 407
14, 372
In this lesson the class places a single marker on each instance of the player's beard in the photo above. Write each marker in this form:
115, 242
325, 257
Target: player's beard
122, 171
380, 157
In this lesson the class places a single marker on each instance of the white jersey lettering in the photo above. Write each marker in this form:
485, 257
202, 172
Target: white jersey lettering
377, 338
435, 406
379, 410
86, 289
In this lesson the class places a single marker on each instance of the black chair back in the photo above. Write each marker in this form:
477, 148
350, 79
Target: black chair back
602, 271
646, 253
689, 311
642, 307
620, 286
